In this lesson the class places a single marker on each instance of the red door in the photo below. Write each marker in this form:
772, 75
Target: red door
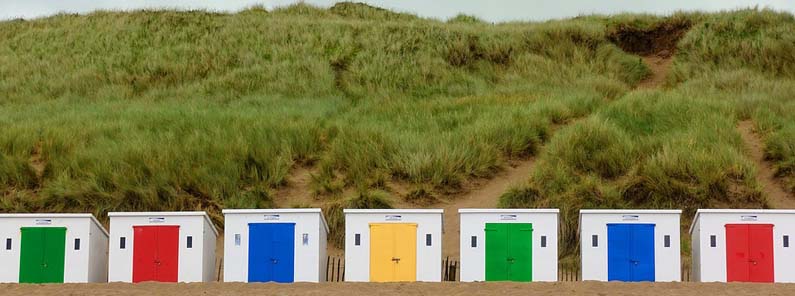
155, 253
749, 253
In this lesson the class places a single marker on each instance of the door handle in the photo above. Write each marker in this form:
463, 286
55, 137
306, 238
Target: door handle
396, 260
274, 261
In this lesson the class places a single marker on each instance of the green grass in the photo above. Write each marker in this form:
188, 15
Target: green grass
746, 58
160, 110
164, 110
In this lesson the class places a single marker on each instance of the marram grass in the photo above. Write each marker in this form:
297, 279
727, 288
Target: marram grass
163, 110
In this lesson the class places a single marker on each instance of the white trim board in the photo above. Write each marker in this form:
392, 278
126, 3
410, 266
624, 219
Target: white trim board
173, 214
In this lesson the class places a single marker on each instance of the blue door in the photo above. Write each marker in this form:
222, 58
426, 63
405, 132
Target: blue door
630, 252
271, 252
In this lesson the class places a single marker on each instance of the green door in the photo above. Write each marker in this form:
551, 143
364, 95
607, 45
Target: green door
509, 252
41, 258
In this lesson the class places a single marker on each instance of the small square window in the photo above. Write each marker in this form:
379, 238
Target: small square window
713, 241
190, 242
8, 244
77, 244
786, 241
667, 241
357, 240
594, 241
473, 241
428, 239
122, 242
543, 241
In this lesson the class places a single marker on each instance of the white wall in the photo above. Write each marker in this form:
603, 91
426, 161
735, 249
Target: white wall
473, 260
209, 251
429, 258
310, 259
322, 258
667, 261
712, 262
191, 261
695, 254
98, 255
76, 262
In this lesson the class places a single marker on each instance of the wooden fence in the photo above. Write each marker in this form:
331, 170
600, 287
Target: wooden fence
685, 273
568, 274
450, 270
335, 269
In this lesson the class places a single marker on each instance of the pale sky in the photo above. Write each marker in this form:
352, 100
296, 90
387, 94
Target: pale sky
489, 10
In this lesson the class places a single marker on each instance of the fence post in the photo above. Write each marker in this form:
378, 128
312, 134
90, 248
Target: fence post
338, 269
446, 272
455, 271
328, 258
220, 268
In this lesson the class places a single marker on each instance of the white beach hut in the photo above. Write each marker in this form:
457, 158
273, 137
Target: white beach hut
41, 248
743, 246
393, 245
275, 245
630, 245
162, 247
509, 245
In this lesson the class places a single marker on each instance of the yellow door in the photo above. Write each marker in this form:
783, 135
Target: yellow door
393, 252
406, 252
381, 267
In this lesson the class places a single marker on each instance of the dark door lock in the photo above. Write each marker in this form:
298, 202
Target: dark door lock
511, 260
396, 260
